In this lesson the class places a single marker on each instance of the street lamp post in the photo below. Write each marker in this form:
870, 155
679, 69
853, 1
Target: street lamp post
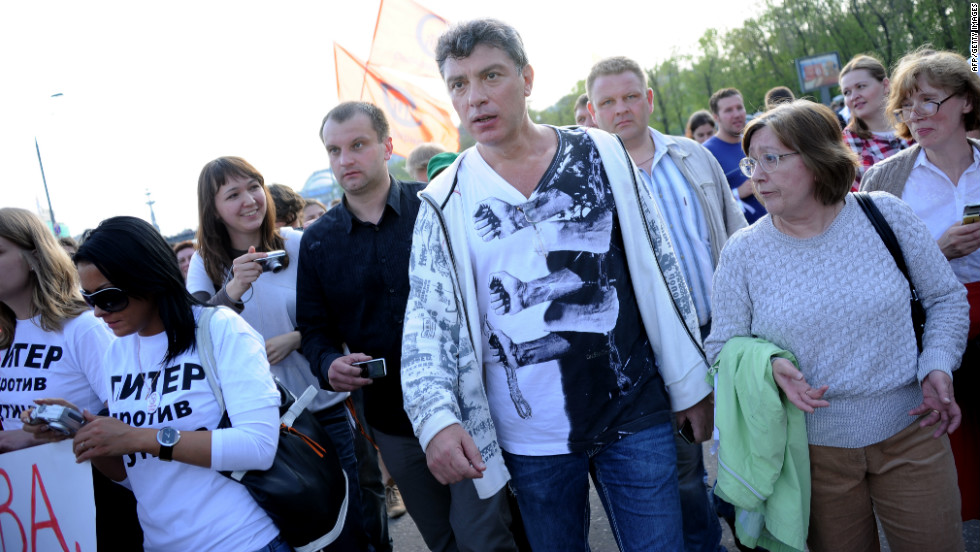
54, 223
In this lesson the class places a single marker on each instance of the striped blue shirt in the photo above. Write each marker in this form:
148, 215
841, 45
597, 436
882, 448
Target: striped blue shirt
681, 209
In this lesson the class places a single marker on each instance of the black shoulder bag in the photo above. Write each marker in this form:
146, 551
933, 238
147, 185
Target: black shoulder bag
305, 490
887, 236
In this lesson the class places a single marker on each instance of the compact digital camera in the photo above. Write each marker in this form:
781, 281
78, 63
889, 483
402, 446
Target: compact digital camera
273, 262
63, 419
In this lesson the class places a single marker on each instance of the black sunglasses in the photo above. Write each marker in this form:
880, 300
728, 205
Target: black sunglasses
107, 299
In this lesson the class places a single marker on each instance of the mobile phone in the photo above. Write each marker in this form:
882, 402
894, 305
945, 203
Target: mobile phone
971, 213
687, 432
372, 369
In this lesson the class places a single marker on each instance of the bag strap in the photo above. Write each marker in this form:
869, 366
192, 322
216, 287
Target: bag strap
205, 350
885, 233
298, 406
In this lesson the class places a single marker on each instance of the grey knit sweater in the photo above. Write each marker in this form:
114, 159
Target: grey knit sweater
839, 303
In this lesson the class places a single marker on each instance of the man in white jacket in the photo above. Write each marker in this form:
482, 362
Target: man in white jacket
549, 333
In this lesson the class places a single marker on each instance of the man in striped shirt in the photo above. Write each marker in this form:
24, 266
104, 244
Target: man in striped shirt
693, 195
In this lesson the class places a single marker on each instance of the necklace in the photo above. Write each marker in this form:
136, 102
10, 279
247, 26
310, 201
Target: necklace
652, 155
152, 397
647, 160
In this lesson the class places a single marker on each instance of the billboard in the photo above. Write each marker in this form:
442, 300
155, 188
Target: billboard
815, 72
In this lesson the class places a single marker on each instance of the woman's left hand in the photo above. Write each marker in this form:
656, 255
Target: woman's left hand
103, 436
43, 432
937, 397
797, 390
277, 348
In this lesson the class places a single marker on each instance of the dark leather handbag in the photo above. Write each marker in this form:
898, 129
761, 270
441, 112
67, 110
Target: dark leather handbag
885, 232
305, 490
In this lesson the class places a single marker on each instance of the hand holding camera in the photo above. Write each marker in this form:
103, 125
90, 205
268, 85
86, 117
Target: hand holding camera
272, 262
52, 420
62, 419
244, 270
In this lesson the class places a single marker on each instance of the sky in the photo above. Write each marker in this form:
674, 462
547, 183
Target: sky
150, 92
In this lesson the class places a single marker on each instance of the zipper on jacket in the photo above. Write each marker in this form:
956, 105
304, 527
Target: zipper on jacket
461, 305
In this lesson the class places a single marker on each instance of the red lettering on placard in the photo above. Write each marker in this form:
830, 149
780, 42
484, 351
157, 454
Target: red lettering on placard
5, 509
52, 523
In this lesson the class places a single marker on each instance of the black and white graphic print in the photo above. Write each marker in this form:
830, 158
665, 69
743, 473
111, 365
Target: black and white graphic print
584, 313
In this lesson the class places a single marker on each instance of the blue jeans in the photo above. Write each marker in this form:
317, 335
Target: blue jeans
374, 512
636, 478
277, 544
702, 530
336, 424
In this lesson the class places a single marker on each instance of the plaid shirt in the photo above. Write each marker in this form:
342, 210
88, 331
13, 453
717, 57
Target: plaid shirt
872, 150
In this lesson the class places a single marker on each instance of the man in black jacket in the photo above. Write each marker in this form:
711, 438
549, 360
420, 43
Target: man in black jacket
352, 291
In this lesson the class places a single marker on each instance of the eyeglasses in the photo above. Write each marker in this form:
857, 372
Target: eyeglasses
927, 108
769, 162
107, 299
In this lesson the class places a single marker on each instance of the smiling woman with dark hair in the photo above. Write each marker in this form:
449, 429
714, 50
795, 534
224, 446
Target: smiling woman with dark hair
814, 278
164, 415
237, 232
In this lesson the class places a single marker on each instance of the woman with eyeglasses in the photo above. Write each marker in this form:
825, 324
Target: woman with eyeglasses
53, 346
870, 133
160, 438
876, 412
236, 233
936, 99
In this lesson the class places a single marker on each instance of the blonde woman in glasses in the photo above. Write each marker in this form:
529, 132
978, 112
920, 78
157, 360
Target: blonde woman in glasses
876, 412
936, 99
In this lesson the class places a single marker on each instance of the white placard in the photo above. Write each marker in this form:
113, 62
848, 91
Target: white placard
46, 500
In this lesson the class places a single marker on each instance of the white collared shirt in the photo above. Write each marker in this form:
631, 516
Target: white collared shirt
939, 203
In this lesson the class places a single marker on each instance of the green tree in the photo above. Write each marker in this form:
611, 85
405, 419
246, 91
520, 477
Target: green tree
761, 53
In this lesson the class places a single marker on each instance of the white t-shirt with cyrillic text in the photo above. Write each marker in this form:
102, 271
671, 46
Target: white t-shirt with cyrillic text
180, 506
65, 364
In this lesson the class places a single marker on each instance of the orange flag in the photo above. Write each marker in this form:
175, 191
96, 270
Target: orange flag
415, 117
405, 38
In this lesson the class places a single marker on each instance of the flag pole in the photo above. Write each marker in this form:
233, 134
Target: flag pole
336, 68
374, 37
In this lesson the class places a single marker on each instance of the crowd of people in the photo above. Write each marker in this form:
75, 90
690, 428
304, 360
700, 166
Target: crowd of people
551, 306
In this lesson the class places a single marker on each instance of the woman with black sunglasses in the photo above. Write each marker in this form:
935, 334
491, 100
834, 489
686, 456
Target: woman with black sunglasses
53, 345
161, 438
